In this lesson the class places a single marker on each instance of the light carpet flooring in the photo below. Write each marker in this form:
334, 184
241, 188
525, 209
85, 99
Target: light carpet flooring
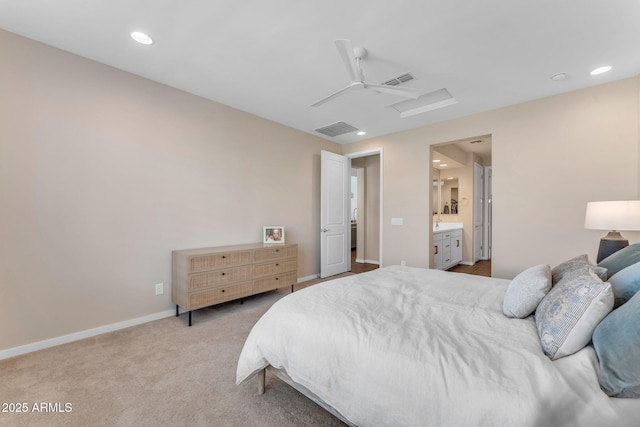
162, 373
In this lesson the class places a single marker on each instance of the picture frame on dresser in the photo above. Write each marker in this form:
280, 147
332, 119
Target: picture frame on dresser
273, 234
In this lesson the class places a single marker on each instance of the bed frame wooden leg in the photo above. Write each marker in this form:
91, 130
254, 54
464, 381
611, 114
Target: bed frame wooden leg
261, 377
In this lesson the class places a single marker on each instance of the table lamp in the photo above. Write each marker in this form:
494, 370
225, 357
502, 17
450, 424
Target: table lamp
615, 216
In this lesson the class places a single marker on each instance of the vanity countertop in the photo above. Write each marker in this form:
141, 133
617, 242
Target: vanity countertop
447, 226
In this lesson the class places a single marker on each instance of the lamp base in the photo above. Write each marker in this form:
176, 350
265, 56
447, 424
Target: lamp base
611, 243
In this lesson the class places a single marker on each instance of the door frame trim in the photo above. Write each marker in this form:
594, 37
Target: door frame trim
488, 212
373, 152
478, 206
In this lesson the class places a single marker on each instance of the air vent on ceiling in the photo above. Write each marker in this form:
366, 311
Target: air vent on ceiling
477, 141
399, 80
336, 129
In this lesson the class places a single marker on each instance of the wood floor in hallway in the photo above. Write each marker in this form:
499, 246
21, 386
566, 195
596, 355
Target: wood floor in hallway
480, 268
360, 267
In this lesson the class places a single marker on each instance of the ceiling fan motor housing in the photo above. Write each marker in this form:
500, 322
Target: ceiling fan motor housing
359, 52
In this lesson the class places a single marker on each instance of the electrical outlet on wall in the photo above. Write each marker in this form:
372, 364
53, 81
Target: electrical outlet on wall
159, 288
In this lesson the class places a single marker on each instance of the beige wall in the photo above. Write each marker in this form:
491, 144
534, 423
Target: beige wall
103, 174
550, 157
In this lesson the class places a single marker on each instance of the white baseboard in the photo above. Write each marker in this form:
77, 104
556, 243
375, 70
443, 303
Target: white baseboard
76, 336
467, 263
306, 279
40, 345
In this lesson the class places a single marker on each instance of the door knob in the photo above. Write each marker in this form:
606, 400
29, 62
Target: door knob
324, 230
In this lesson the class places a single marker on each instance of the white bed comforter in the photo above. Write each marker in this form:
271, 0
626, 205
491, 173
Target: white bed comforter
403, 346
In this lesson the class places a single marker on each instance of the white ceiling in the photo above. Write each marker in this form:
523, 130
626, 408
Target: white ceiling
274, 58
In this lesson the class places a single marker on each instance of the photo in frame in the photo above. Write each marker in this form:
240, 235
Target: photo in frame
273, 234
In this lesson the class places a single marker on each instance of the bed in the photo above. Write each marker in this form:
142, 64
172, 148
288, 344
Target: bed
402, 346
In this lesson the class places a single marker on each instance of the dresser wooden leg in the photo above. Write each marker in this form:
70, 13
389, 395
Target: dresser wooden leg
189, 317
261, 375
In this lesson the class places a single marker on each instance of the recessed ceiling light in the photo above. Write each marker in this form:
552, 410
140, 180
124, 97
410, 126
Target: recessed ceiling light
435, 161
601, 70
141, 37
558, 77
444, 165
361, 133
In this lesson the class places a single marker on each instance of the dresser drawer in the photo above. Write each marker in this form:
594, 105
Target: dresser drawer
275, 267
223, 276
220, 294
207, 262
274, 282
275, 252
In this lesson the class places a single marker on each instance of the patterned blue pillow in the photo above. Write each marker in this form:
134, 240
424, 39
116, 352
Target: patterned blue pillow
625, 284
616, 341
568, 314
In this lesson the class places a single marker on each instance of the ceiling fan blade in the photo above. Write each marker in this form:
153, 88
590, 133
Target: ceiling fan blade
346, 52
405, 92
333, 95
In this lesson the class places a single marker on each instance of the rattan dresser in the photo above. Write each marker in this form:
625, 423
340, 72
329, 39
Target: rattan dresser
209, 276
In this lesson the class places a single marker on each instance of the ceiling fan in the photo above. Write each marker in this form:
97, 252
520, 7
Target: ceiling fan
351, 58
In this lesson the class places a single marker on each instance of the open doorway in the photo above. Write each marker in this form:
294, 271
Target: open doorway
461, 174
335, 223
366, 210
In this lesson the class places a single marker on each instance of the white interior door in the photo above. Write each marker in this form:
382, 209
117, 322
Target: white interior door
477, 212
335, 228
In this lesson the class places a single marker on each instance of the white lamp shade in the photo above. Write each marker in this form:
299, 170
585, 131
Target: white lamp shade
616, 215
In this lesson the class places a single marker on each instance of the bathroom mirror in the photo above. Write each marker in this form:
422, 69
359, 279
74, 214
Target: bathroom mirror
449, 196
444, 194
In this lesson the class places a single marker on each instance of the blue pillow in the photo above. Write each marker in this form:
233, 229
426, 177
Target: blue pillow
616, 341
621, 259
625, 284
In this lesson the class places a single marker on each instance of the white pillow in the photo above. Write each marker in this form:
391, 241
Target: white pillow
526, 290
569, 313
